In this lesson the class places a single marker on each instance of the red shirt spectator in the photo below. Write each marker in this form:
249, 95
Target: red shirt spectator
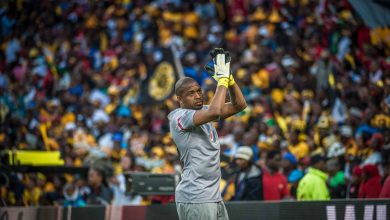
385, 193
371, 185
274, 183
274, 186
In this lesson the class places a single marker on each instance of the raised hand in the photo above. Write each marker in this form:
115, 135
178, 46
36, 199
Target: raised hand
212, 69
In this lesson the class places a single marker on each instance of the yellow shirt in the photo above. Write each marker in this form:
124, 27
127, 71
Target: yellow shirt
351, 148
299, 150
31, 197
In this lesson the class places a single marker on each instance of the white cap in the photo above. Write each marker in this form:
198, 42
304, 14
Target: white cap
244, 152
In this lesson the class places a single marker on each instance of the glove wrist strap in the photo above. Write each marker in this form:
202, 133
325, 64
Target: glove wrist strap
223, 82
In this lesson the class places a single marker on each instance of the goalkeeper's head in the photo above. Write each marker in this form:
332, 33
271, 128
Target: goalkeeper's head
189, 94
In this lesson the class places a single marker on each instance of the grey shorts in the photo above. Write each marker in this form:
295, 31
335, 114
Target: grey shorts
202, 211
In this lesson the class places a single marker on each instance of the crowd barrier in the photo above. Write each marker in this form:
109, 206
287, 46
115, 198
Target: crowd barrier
285, 210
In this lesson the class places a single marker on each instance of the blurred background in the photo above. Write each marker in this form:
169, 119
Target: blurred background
86, 87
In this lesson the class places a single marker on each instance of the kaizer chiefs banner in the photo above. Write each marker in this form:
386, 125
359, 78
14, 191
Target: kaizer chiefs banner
161, 79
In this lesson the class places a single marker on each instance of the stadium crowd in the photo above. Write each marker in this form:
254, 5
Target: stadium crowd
316, 80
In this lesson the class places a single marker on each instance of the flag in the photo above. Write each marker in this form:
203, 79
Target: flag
160, 82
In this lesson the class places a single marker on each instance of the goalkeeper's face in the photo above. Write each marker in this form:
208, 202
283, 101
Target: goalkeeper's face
191, 97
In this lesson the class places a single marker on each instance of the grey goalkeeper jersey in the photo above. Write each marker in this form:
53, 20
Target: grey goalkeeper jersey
199, 151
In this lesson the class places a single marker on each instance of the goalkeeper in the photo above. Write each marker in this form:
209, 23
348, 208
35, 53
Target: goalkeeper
197, 195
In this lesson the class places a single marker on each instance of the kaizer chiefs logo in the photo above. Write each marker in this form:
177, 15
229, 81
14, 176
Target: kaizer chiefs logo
162, 81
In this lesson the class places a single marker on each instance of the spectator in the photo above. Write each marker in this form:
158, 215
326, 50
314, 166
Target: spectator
82, 184
122, 196
126, 165
100, 193
313, 184
248, 180
376, 143
274, 183
72, 196
371, 185
292, 172
385, 192
354, 185
32, 193
347, 141
337, 186
297, 147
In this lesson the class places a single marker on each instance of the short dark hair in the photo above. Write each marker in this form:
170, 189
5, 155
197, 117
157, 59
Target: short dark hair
316, 158
272, 154
181, 83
